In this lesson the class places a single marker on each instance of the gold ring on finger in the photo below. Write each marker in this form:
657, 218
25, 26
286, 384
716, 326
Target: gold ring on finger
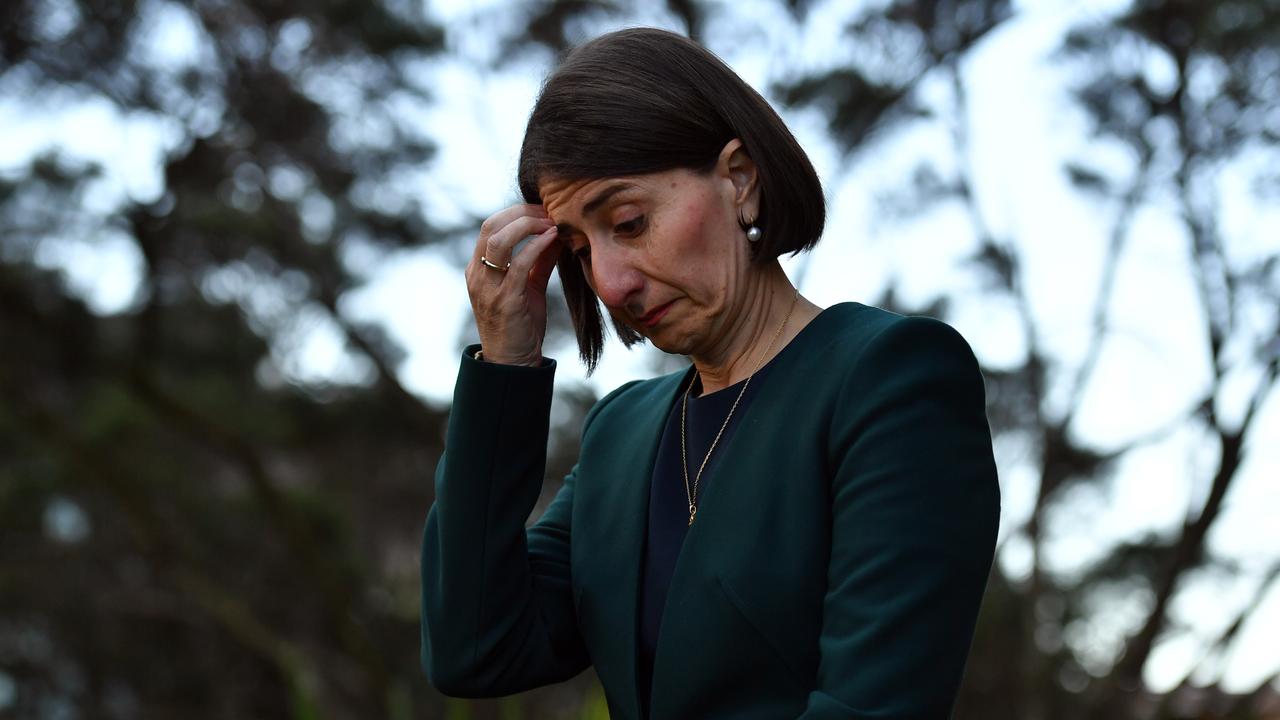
485, 261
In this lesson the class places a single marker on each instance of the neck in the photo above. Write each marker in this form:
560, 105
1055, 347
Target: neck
756, 323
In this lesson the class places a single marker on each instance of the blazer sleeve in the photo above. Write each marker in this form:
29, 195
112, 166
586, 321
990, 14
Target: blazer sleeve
497, 606
915, 511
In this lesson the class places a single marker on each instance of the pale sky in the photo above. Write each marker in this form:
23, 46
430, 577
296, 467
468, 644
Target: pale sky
1023, 128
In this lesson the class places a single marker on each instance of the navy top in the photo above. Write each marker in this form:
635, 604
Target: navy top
669, 501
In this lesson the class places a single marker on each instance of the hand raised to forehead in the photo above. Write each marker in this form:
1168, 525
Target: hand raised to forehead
508, 289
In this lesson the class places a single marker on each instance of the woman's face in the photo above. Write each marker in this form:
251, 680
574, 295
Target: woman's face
664, 251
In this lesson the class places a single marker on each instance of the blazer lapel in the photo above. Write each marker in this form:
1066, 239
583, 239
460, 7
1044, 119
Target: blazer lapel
712, 534
621, 521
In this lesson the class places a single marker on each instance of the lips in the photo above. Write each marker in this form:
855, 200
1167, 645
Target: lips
653, 316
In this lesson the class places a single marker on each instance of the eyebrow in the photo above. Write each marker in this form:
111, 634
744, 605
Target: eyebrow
604, 195
594, 203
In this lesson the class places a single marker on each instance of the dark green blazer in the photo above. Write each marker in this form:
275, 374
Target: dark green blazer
835, 570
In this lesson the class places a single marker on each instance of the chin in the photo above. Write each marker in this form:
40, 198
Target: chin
671, 342
666, 336
666, 347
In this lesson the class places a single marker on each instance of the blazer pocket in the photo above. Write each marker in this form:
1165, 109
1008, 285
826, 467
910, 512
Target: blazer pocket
755, 618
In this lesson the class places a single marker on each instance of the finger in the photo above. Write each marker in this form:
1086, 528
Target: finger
499, 220
544, 265
524, 262
500, 245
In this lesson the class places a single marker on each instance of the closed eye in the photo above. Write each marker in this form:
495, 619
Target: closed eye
630, 227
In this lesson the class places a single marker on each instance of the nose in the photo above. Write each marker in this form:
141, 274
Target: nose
614, 275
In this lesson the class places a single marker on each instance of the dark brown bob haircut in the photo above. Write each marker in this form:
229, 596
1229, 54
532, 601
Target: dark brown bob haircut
643, 100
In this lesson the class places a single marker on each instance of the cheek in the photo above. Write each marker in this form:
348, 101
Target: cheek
698, 229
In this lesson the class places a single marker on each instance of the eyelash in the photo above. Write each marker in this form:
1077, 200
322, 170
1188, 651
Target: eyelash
636, 224
630, 227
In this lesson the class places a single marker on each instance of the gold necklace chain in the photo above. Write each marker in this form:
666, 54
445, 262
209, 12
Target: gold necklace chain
692, 495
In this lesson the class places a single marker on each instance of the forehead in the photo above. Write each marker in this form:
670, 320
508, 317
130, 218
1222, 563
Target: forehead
580, 197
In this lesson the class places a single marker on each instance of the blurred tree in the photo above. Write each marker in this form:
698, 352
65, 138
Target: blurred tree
1212, 117
186, 532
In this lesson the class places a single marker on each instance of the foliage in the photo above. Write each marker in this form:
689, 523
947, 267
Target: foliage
186, 531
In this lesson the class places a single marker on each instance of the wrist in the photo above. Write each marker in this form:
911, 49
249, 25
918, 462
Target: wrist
537, 362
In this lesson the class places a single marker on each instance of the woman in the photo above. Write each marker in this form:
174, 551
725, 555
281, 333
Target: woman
798, 525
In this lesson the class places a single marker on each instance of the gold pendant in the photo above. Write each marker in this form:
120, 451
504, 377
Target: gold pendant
693, 510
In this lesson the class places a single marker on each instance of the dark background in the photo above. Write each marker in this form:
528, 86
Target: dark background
187, 531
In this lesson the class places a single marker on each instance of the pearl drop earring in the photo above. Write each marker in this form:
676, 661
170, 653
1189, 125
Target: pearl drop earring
754, 234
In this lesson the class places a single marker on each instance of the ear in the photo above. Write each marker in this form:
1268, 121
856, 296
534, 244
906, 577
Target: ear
737, 166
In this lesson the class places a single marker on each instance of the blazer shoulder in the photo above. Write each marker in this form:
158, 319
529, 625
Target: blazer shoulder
860, 331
